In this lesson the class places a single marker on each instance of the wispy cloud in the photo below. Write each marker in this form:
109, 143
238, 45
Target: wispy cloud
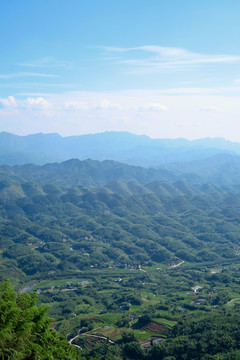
210, 108
75, 105
106, 104
200, 91
156, 107
26, 74
168, 58
47, 62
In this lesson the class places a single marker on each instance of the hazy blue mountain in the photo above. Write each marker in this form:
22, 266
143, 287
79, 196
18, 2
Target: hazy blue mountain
119, 146
205, 176
89, 173
221, 169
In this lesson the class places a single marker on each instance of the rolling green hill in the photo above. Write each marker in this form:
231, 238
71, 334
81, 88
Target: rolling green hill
71, 228
114, 248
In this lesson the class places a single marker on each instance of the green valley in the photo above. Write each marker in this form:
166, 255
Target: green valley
127, 266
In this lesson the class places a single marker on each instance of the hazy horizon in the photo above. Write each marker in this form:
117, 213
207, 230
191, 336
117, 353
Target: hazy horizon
128, 132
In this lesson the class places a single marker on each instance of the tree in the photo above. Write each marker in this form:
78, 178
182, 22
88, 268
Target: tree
128, 337
25, 331
133, 350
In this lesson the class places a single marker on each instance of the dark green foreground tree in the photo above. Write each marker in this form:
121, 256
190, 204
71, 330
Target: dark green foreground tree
25, 331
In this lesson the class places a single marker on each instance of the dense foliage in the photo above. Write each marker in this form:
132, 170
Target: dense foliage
70, 229
134, 271
25, 331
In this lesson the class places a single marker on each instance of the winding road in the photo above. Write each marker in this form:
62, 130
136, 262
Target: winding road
90, 335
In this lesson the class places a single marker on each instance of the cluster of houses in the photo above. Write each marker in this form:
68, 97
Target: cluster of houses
69, 286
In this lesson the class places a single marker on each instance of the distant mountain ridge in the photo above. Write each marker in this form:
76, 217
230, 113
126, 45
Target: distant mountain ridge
204, 175
119, 146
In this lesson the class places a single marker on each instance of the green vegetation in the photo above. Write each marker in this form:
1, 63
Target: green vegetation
44, 236
131, 274
25, 331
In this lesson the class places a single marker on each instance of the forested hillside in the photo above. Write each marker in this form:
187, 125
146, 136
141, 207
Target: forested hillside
146, 267
221, 170
118, 224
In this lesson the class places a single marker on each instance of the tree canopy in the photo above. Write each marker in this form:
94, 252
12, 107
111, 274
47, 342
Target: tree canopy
25, 331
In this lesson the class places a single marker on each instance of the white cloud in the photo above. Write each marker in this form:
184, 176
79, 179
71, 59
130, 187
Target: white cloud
75, 105
200, 91
210, 108
153, 107
169, 58
47, 62
184, 120
26, 74
106, 104
10, 101
38, 102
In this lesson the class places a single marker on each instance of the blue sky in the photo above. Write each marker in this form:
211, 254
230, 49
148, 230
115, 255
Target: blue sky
162, 68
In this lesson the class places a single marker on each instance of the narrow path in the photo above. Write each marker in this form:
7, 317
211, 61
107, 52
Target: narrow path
90, 335
71, 340
174, 266
229, 302
140, 268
